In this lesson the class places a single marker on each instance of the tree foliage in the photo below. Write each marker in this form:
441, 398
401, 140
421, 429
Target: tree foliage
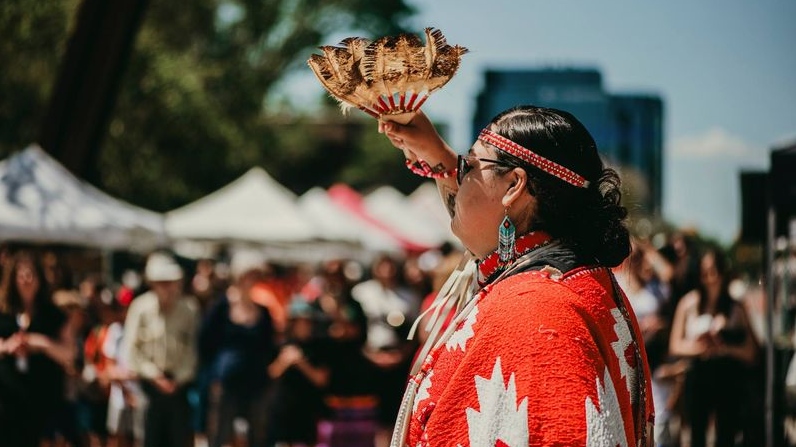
33, 35
191, 111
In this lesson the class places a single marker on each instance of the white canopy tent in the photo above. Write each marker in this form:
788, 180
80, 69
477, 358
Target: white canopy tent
42, 202
425, 200
337, 224
254, 209
391, 207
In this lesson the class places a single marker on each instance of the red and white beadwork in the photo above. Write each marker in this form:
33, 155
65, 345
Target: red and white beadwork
491, 265
423, 169
527, 155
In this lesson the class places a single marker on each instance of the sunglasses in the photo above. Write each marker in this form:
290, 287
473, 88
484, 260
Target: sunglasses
463, 167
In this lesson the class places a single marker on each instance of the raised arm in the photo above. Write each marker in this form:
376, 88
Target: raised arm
419, 140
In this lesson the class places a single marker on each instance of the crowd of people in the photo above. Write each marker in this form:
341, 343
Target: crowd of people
529, 341
256, 354
705, 356
240, 352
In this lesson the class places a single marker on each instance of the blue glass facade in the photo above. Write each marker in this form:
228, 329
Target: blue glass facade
627, 128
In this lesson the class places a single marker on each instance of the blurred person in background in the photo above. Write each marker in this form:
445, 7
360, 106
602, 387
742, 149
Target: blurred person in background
713, 330
273, 291
644, 277
300, 374
73, 418
415, 277
6, 257
682, 253
97, 368
56, 271
208, 288
126, 402
90, 289
206, 285
37, 350
130, 287
446, 264
160, 334
236, 344
350, 397
390, 308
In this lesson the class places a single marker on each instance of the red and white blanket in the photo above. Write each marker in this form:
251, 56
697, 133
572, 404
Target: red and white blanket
535, 361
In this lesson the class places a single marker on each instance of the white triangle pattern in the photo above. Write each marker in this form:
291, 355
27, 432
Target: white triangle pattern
499, 416
624, 340
461, 336
423, 391
605, 426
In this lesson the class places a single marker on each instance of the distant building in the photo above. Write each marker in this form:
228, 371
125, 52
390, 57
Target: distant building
628, 128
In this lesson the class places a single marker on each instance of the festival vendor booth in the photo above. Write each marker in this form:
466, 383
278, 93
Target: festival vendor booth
426, 201
348, 235
252, 212
352, 202
42, 204
390, 206
41, 201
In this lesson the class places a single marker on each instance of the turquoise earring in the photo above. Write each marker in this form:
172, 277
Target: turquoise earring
506, 237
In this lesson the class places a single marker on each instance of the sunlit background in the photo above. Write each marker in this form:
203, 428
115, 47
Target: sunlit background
196, 126
724, 70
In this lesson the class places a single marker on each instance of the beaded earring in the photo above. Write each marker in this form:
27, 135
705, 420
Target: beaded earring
506, 238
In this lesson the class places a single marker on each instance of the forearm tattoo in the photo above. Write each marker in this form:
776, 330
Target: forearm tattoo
438, 168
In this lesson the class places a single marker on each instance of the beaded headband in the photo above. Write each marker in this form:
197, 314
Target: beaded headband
528, 156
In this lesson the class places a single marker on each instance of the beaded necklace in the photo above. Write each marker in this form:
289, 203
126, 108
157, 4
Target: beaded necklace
490, 267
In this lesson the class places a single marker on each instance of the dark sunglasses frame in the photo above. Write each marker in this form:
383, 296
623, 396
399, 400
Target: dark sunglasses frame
463, 167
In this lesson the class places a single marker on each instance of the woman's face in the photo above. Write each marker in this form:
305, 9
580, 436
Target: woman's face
478, 209
167, 291
248, 280
385, 270
645, 271
709, 272
27, 282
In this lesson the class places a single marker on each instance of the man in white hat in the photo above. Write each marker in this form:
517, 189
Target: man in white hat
160, 335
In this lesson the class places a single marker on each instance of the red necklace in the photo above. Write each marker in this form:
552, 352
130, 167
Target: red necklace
490, 267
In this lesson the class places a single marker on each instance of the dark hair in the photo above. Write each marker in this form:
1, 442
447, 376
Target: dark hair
725, 301
10, 300
592, 218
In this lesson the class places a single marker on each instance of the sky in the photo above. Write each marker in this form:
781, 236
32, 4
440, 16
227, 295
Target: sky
725, 69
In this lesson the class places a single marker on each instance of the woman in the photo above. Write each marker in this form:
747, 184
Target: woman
644, 277
37, 347
350, 398
713, 330
390, 307
237, 342
547, 351
300, 373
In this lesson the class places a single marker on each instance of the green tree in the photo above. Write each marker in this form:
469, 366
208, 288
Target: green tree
190, 115
329, 148
33, 35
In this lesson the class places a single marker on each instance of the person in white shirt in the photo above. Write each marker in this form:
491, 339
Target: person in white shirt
160, 338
